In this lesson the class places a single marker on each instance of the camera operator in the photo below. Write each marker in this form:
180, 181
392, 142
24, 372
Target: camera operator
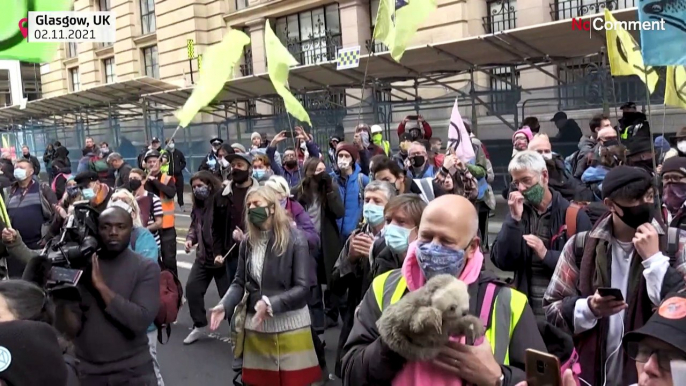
97, 193
119, 299
15, 250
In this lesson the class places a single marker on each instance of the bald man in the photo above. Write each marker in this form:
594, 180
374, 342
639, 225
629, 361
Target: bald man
447, 243
541, 145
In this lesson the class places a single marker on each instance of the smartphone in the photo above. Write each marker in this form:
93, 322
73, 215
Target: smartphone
542, 369
288, 134
413, 117
614, 292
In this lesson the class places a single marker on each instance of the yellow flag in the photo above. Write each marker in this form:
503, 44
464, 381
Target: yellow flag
279, 61
675, 86
398, 20
625, 54
217, 67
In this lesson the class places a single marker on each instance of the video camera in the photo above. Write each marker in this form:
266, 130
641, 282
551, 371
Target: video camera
70, 253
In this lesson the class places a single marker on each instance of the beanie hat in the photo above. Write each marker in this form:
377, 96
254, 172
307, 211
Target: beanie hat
674, 164
238, 146
350, 148
524, 130
638, 145
255, 134
622, 176
25, 344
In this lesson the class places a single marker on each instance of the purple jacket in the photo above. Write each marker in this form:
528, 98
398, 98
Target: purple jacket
304, 223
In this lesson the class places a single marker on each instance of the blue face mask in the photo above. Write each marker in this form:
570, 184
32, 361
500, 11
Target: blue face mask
397, 238
20, 174
436, 259
373, 213
283, 202
258, 173
88, 193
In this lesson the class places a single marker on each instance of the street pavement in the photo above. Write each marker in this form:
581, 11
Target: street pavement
208, 361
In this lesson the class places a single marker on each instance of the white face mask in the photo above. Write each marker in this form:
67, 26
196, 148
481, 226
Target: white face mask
547, 156
343, 163
171, 145
681, 146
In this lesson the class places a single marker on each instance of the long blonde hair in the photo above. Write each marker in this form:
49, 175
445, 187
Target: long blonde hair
281, 224
126, 196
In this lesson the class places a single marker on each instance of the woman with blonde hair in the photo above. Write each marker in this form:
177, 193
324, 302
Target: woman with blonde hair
273, 276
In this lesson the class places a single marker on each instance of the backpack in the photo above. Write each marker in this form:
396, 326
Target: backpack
171, 299
671, 251
54, 182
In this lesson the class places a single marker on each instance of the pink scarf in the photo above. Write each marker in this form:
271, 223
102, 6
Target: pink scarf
426, 373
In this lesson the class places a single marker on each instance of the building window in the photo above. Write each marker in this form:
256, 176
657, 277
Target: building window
311, 36
72, 50
504, 96
246, 67
104, 5
501, 16
567, 9
74, 79
373, 11
108, 65
148, 16
241, 4
150, 62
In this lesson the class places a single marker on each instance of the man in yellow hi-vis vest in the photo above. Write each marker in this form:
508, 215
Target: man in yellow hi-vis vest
447, 244
377, 139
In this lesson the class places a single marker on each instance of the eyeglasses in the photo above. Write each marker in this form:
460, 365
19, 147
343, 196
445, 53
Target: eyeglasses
641, 353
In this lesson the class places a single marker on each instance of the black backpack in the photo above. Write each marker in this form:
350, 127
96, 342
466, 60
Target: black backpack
671, 251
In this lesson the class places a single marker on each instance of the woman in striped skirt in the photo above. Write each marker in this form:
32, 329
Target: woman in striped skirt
273, 268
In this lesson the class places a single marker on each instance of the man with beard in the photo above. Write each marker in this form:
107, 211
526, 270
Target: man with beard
535, 230
119, 300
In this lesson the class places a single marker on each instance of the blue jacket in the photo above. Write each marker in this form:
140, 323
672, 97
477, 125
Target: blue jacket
293, 178
351, 195
144, 244
428, 171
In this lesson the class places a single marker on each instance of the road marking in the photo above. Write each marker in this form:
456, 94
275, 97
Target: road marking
215, 336
182, 215
184, 265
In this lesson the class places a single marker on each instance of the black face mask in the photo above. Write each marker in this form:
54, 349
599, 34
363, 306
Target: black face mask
417, 161
635, 216
291, 163
135, 185
240, 176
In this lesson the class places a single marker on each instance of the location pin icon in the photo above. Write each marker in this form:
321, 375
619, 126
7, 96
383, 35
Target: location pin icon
24, 30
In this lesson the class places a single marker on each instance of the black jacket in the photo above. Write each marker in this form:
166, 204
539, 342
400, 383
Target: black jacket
223, 224
122, 175
34, 161
511, 253
177, 162
368, 361
331, 210
62, 153
285, 280
7, 171
61, 181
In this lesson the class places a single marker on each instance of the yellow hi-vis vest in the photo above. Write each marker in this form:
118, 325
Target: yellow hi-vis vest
508, 307
386, 148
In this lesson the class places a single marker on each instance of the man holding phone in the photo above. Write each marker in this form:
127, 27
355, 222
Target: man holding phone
609, 279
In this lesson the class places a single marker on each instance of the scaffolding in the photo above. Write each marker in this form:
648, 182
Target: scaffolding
128, 114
